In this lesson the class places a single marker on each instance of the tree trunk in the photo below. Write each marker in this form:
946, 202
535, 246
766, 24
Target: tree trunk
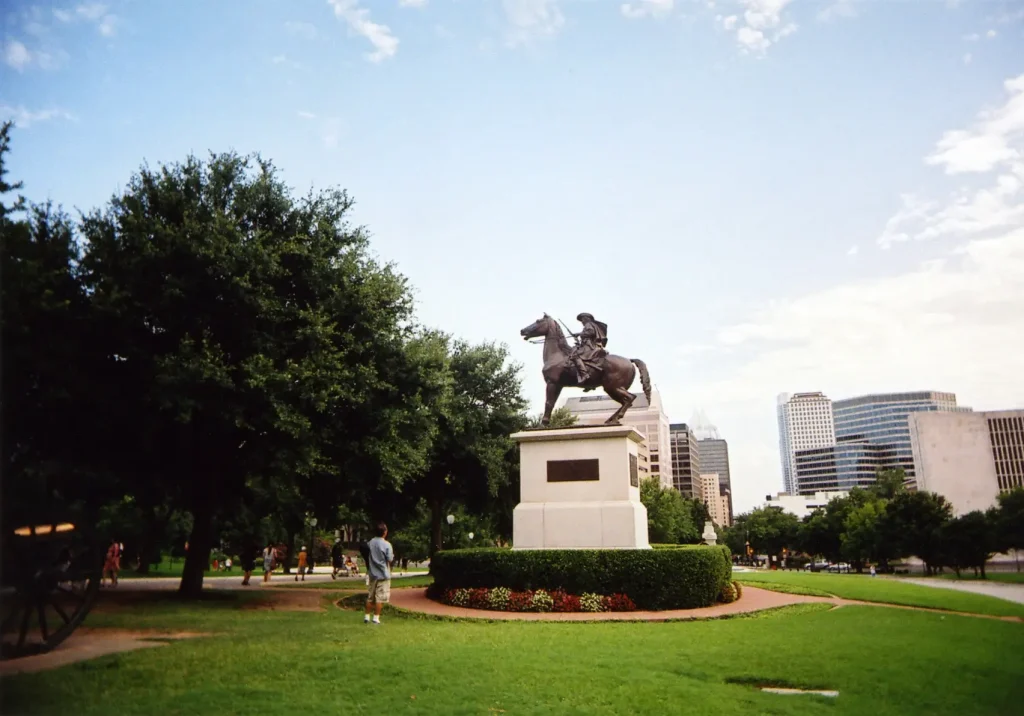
436, 526
200, 542
983, 575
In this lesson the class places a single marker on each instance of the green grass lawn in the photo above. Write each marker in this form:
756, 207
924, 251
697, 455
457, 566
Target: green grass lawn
880, 589
882, 661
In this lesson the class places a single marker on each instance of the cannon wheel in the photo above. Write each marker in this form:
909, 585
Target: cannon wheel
52, 575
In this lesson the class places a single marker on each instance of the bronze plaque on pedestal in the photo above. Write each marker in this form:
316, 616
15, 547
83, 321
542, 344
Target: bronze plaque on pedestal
573, 470
634, 479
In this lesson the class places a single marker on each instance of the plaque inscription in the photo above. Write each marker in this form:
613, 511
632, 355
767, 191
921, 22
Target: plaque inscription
634, 479
573, 470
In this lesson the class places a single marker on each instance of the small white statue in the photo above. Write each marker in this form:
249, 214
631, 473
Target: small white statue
710, 536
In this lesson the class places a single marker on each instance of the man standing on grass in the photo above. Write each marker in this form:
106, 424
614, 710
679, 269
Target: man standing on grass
378, 569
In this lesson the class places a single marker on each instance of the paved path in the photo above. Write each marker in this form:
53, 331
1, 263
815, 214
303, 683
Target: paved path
1000, 590
256, 582
753, 600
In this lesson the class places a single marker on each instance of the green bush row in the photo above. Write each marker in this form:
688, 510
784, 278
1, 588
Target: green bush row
684, 578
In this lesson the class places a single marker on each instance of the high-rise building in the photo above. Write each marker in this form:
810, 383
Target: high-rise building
968, 458
881, 420
712, 495
805, 421
714, 454
648, 418
845, 465
714, 459
685, 460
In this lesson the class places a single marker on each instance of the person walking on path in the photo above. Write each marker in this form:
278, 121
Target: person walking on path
337, 559
303, 561
269, 556
113, 562
378, 571
248, 562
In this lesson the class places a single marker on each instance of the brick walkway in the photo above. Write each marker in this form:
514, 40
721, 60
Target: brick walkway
753, 600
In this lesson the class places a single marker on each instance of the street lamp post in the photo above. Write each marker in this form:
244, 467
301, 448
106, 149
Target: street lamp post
451, 521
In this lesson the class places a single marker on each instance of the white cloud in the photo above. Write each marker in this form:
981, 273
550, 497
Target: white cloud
990, 34
24, 118
530, 19
412, 3
106, 23
358, 19
995, 138
837, 10
954, 322
853, 250
286, 61
760, 26
967, 58
305, 30
973, 37
306, 115
16, 55
647, 8
331, 134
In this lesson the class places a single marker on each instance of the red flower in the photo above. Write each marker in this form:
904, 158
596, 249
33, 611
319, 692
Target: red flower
618, 603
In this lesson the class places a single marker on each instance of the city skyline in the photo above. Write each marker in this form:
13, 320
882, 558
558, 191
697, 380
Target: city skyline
791, 209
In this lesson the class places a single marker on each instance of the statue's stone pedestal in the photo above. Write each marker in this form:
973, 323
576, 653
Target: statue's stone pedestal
579, 489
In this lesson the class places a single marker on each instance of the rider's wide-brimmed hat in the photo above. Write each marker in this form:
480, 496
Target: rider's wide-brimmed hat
584, 317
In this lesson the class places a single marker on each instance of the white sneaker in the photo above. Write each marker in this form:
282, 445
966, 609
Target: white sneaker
376, 619
366, 619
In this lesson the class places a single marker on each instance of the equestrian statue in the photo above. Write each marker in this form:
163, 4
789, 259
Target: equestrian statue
587, 365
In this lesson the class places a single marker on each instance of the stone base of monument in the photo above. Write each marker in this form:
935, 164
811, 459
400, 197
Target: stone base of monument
579, 489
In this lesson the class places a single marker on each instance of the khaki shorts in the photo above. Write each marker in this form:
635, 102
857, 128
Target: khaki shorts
380, 591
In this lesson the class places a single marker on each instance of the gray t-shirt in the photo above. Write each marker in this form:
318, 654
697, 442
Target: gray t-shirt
380, 555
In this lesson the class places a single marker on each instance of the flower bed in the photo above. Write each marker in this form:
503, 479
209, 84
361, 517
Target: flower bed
505, 600
684, 577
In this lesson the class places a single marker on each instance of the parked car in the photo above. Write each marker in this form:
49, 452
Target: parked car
839, 568
816, 566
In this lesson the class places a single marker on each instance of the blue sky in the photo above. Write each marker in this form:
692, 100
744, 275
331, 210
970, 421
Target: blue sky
757, 196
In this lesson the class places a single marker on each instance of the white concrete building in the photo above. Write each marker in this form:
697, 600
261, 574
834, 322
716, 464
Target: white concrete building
805, 421
718, 503
968, 458
801, 505
648, 418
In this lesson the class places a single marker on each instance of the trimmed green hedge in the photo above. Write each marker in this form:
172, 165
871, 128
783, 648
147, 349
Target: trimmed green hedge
685, 578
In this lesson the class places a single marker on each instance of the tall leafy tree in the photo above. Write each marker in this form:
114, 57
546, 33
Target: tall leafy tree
470, 455
913, 521
669, 517
968, 541
54, 399
768, 530
254, 339
1009, 522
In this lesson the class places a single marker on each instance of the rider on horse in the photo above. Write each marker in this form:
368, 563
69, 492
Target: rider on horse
589, 353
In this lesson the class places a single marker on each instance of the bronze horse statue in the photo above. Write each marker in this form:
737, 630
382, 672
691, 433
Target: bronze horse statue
616, 375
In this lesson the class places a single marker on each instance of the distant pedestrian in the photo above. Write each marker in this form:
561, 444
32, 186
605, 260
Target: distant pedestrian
378, 571
337, 559
112, 564
248, 562
269, 559
303, 557
872, 570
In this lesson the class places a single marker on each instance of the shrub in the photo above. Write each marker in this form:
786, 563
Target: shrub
683, 577
479, 598
739, 589
499, 597
457, 597
542, 601
618, 603
591, 602
520, 601
728, 594
562, 602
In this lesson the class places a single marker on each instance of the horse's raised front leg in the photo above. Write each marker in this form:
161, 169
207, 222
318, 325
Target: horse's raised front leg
553, 391
625, 399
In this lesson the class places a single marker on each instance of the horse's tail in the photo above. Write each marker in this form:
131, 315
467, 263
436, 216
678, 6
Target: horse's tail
645, 377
